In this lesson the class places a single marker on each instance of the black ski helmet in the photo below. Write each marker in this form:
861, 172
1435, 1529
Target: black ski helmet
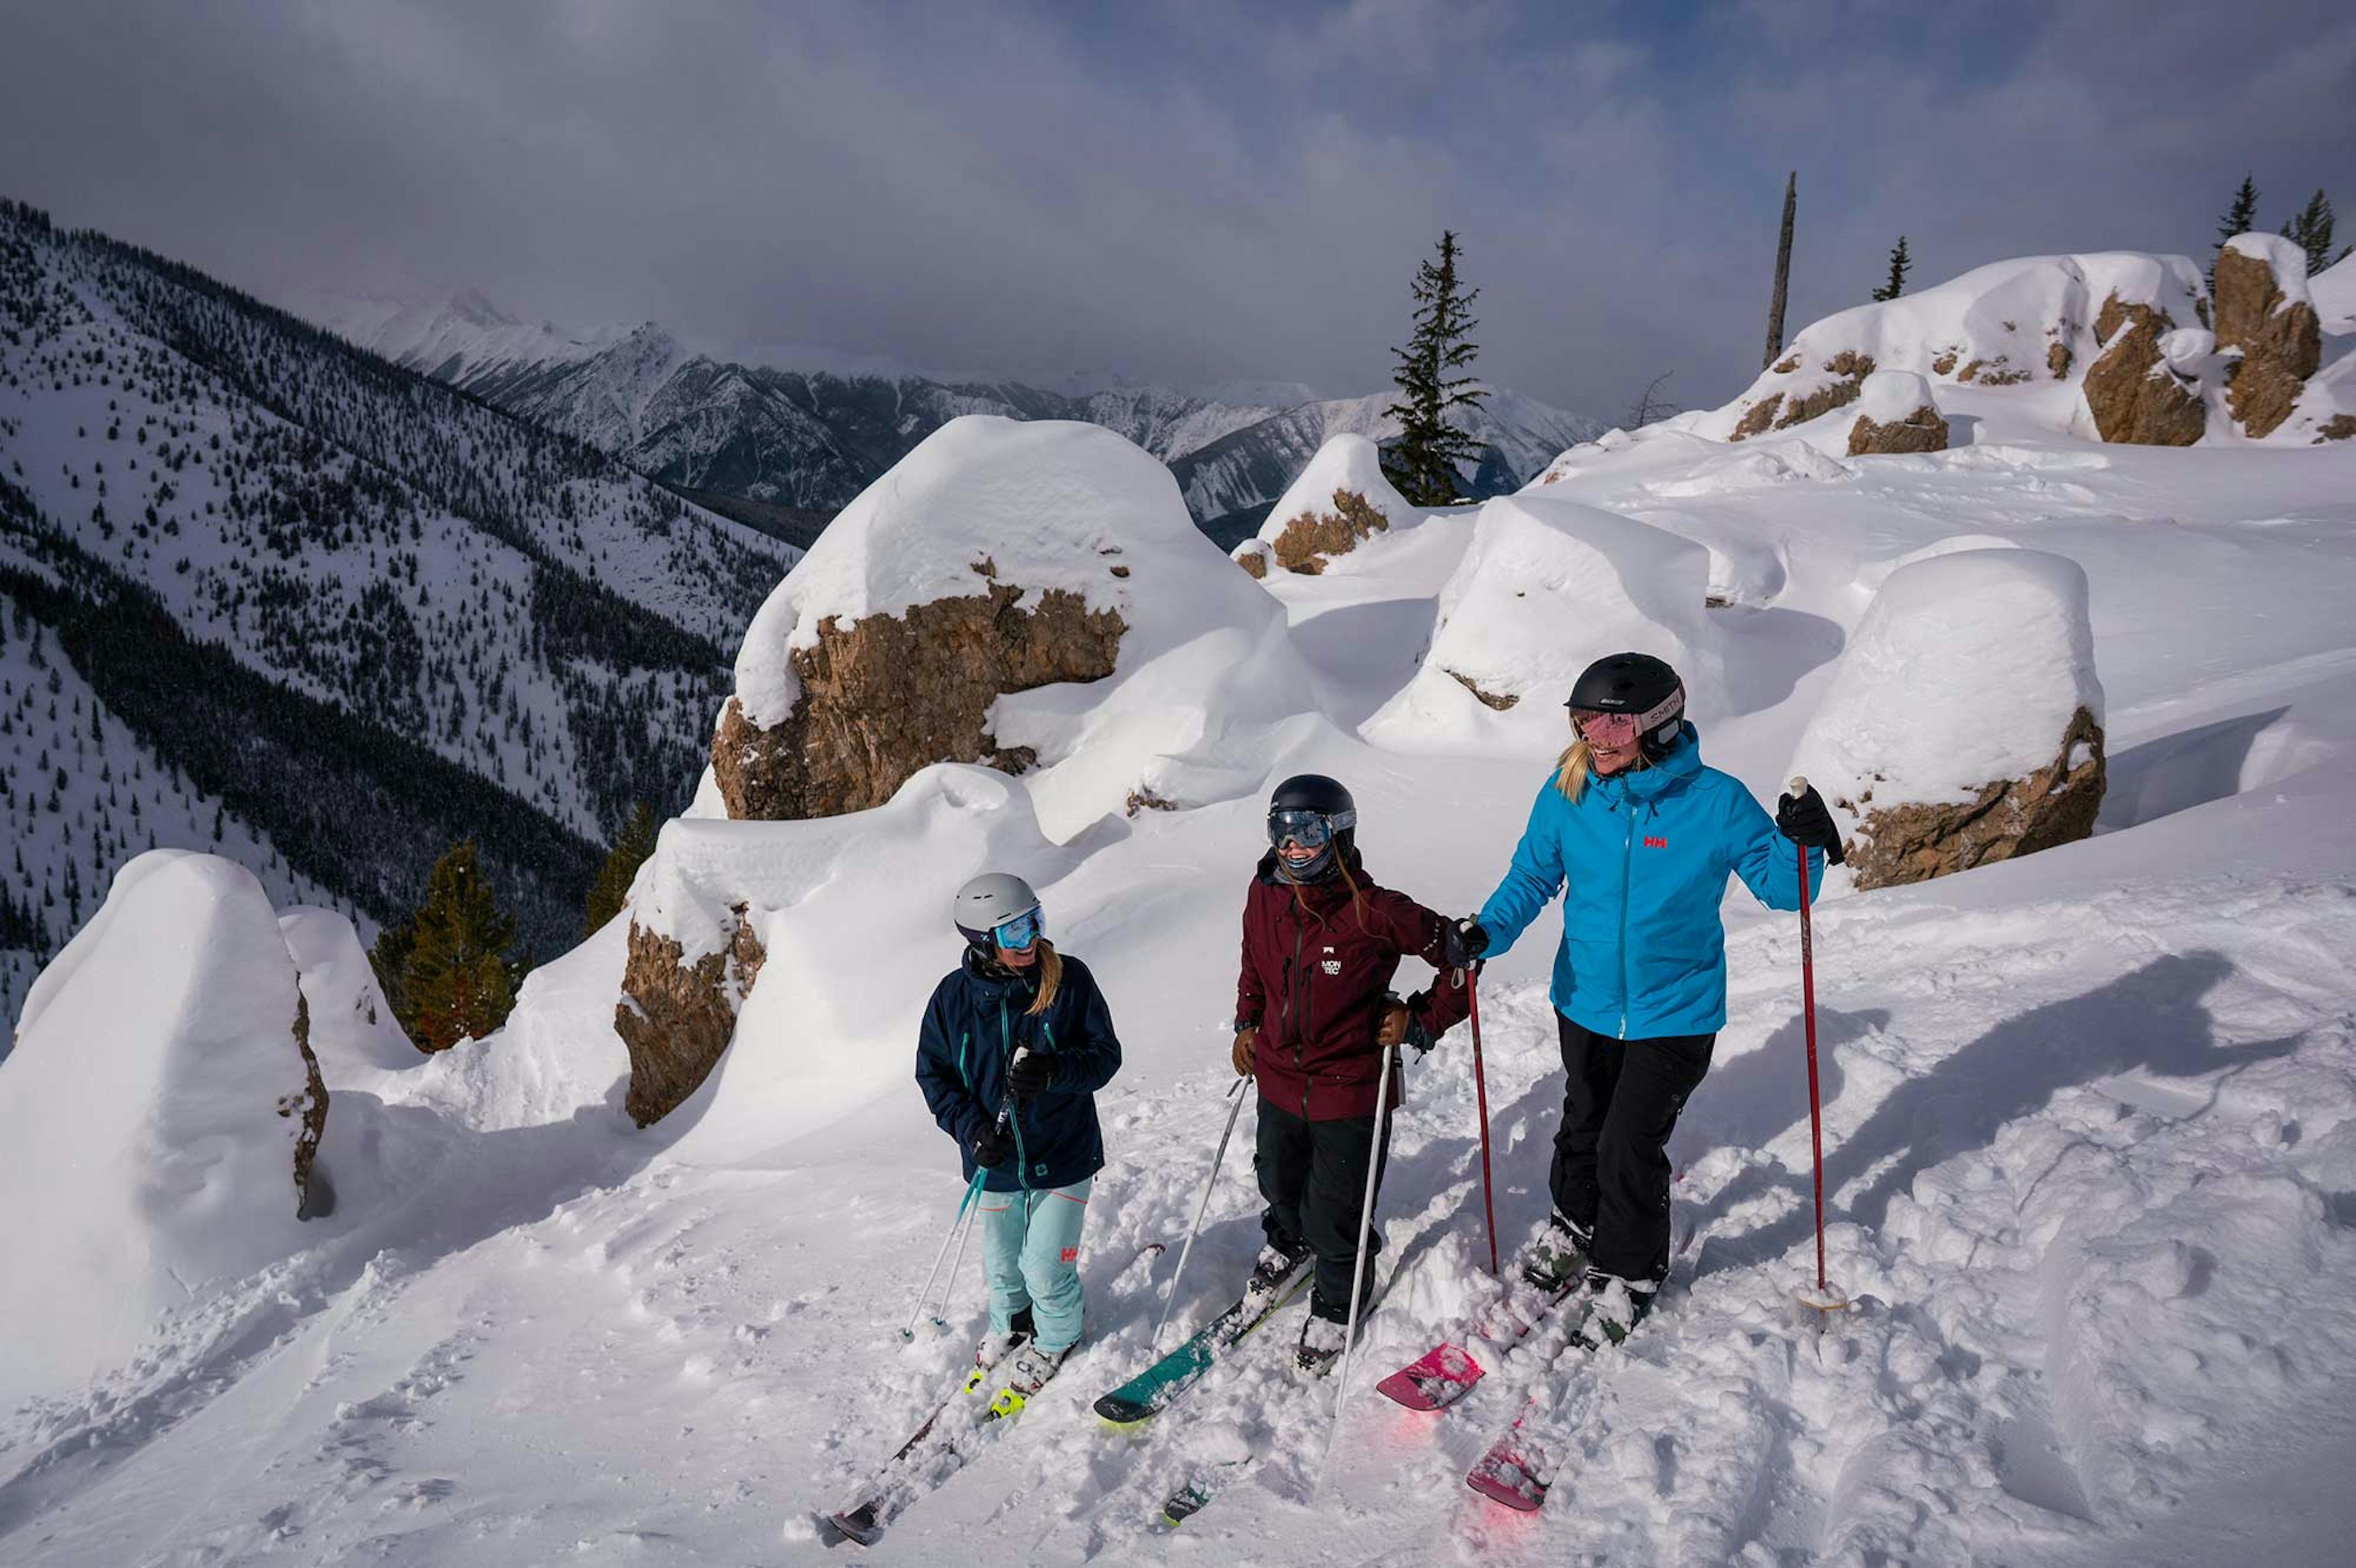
1322, 796
1638, 684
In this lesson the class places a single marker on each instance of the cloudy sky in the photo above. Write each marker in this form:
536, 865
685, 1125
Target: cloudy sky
1181, 191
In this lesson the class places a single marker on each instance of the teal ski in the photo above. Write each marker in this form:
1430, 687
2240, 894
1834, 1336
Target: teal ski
1158, 1387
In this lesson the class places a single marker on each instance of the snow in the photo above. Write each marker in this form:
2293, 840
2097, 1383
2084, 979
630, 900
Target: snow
1347, 462
2334, 292
1540, 567
2090, 1115
1891, 397
1965, 670
144, 1116
2286, 258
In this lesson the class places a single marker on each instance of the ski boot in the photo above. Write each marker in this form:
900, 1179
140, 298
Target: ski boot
1617, 1307
996, 1347
1553, 1262
1322, 1341
1274, 1270
1029, 1373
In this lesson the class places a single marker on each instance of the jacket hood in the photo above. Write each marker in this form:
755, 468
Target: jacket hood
1677, 767
1350, 857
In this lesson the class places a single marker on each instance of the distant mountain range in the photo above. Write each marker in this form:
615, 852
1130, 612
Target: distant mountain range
809, 441
264, 591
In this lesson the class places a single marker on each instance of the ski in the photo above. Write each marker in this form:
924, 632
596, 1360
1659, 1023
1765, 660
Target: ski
939, 1449
1159, 1386
1446, 1372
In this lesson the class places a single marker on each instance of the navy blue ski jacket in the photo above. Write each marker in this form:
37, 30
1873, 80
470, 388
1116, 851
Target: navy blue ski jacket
976, 1021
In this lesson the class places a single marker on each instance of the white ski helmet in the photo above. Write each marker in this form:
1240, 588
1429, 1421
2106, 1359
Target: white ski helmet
989, 902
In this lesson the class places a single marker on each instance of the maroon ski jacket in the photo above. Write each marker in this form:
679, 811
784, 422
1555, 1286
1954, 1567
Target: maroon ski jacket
1315, 971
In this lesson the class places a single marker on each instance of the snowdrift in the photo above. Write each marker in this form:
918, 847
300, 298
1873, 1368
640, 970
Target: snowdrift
1547, 587
156, 1110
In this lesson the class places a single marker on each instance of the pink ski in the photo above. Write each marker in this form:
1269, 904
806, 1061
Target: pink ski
1446, 1372
1511, 1474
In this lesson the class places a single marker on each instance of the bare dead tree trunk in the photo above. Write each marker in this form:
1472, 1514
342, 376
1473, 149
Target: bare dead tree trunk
1782, 272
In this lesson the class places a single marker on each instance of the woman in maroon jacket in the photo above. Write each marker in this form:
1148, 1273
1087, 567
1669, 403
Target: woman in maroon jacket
1315, 1013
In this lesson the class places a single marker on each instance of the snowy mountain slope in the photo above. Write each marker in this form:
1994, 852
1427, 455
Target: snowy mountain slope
2090, 1133
398, 575
815, 439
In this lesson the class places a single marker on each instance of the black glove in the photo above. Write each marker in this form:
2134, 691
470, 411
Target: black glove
1461, 942
1805, 820
1033, 1072
992, 1146
1419, 1034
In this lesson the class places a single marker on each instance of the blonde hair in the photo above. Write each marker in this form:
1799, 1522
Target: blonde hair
1050, 975
1572, 768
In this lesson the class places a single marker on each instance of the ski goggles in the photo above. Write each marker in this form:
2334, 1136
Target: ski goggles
1310, 829
1017, 933
1609, 730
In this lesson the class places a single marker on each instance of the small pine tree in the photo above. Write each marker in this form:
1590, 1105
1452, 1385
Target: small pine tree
2239, 218
456, 978
611, 890
2310, 230
1900, 264
1422, 463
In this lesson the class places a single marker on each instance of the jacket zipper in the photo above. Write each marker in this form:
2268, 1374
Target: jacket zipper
1627, 875
1300, 934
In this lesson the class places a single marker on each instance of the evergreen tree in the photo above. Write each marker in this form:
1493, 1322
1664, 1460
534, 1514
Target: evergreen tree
2239, 218
1422, 463
612, 888
2310, 230
1900, 264
457, 978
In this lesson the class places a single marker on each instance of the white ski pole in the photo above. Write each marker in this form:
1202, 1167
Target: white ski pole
1171, 1299
948, 1285
1366, 1231
957, 1227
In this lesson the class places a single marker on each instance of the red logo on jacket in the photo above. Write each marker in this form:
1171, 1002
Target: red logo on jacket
1652, 843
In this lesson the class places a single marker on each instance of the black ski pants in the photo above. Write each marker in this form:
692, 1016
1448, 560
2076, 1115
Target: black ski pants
1619, 1102
1313, 1177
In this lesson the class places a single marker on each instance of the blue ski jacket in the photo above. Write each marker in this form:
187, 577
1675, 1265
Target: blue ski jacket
977, 1019
1642, 858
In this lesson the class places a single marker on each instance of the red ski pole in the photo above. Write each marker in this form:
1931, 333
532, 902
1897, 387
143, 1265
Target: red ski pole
1828, 1298
1481, 1092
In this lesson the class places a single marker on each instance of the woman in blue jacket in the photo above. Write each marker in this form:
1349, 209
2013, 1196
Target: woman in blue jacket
1016, 1042
1639, 838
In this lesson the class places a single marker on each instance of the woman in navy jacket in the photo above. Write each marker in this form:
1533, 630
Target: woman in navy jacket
1639, 838
1015, 1042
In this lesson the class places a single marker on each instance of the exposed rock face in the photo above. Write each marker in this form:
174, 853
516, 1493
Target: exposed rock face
2338, 427
2280, 339
1782, 410
2055, 804
1502, 702
891, 694
2137, 399
314, 1198
676, 1019
1758, 417
1309, 538
1253, 556
1922, 430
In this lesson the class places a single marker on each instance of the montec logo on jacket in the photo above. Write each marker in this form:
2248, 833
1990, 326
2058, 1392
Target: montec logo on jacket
1330, 964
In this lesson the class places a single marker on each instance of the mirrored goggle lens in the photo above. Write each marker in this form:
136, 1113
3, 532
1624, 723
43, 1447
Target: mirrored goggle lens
1607, 728
1307, 828
1021, 931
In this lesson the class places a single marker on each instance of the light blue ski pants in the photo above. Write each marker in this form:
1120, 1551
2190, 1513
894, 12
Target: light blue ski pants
1031, 1255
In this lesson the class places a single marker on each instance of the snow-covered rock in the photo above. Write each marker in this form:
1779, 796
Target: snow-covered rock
353, 1032
2263, 315
158, 1117
1896, 413
1965, 724
1547, 587
1048, 558
2025, 323
1339, 501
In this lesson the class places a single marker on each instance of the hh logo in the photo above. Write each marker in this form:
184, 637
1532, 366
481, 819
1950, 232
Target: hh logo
1652, 843
1330, 964
1071, 1254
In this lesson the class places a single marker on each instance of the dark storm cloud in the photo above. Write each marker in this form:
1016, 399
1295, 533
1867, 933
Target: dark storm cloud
1170, 190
